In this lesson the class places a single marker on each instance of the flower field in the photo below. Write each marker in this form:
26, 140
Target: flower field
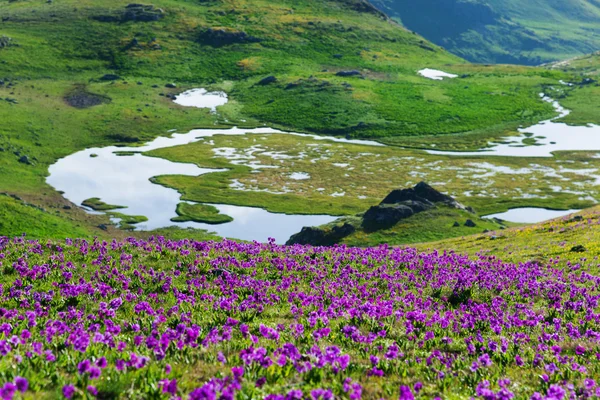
163, 319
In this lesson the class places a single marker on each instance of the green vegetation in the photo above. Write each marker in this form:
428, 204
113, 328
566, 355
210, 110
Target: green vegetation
503, 31
100, 78
203, 213
127, 222
18, 217
98, 205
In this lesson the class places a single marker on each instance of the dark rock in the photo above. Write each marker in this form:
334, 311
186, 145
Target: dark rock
587, 81
110, 77
385, 216
578, 249
364, 6
349, 73
5, 41
456, 224
268, 80
577, 218
469, 223
423, 193
321, 236
103, 227
80, 98
133, 12
220, 272
67, 207
219, 37
338, 56
171, 85
25, 160
143, 13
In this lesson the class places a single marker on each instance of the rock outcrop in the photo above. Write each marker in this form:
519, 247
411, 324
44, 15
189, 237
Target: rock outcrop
134, 12
404, 203
219, 37
321, 236
399, 205
80, 98
5, 41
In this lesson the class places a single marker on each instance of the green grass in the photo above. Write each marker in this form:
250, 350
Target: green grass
202, 213
18, 217
551, 240
98, 205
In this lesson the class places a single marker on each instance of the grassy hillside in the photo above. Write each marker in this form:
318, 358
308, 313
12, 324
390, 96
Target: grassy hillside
503, 31
76, 74
574, 239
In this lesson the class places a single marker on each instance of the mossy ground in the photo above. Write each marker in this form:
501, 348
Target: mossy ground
343, 179
98, 205
202, 213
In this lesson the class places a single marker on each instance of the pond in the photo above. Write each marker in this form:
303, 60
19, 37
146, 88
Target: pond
530, 215
541, 140
121, 176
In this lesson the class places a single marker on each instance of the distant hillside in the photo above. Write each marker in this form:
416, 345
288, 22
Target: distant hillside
503, 31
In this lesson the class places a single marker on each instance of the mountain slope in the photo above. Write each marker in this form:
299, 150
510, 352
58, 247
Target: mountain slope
78, 74
503, 31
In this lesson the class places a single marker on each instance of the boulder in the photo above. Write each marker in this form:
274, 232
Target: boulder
219, 37
321, 236
80, 98
578, 249
25, 160
385, 216
171, 85
142, 12
422, 192
133, 12
5, 41
469, 223
267, 81
110, 77
349, 73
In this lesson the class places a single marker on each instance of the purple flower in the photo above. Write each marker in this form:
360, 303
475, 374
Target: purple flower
102, 362
261, 381
92, 390
170, 387
95, 372
83, 366
22, 384
418, 386
406, 393
555, 392
68, 391
8, 391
